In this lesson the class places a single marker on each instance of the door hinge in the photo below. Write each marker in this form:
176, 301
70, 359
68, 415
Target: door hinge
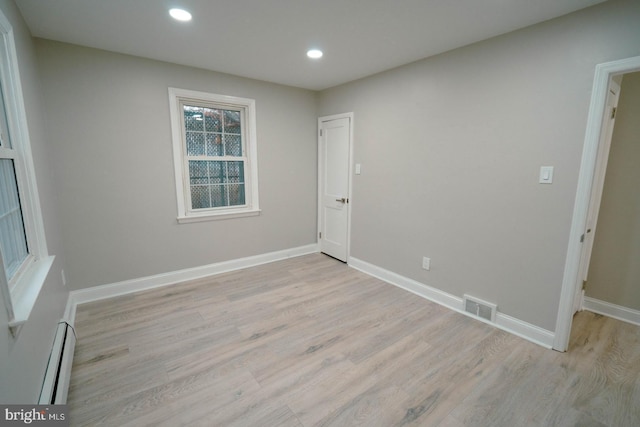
320, 235
613, 113
584, 285
320, 132
582, 238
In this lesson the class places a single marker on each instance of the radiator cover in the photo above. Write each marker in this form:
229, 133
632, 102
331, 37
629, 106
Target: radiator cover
56, 379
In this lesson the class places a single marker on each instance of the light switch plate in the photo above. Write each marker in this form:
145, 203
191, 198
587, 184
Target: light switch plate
546, 174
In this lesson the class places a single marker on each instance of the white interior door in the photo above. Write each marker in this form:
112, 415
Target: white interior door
597, 186
334, 152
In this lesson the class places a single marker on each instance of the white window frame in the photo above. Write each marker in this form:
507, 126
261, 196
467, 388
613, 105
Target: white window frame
21, 292
181, 167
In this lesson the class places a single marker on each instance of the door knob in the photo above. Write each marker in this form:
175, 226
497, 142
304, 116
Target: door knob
342, 200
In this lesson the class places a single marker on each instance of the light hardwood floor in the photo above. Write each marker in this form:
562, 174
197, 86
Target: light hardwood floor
311, 342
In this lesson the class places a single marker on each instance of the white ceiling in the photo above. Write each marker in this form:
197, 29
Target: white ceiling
268, 39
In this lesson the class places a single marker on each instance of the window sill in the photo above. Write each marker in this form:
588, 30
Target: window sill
28, 288
217, 216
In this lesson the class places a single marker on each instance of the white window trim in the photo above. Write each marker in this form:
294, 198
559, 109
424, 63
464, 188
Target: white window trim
21, 293
185, 214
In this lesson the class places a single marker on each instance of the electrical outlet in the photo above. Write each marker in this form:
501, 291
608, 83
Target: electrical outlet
426, 263
64, 278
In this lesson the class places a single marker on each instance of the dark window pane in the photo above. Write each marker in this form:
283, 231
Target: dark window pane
216, 183
193, 118
218, 196
195, 144
214, 145
13, 239
236, 194
212, 120
231, 121
217, 172
200, 197
233, 145
235, 171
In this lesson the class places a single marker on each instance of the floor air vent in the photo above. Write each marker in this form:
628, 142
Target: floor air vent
56, 379
480, 308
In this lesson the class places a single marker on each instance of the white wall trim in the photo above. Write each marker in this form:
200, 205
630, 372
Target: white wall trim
603, 74
507, 323
612, 310
525, 330
96, 293
180, 158
413, 286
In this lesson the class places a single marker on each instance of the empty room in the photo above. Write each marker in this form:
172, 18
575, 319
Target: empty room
305, 213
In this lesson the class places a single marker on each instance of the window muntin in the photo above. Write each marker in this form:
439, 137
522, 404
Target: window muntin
216, 184
214, 142
212, 136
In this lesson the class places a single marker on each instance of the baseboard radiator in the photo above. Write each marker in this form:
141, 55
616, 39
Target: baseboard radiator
56, 380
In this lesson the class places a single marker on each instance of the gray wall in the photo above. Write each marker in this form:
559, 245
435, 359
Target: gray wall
23, 359
108, 118
614, 272
451, 148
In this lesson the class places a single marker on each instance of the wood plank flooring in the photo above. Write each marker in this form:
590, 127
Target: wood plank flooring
311, 342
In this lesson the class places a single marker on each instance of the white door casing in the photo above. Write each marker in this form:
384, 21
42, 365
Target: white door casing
334, 184
603, 74
597, 187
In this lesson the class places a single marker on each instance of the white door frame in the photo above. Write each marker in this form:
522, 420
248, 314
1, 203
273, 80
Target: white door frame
597, 190
603, 74
350, 182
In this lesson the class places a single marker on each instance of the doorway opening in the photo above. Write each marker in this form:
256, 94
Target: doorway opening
613, 283
588, 182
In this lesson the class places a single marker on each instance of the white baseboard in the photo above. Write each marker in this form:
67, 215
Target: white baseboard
96, 293
625, 314
525, 330
510, 324
507, 323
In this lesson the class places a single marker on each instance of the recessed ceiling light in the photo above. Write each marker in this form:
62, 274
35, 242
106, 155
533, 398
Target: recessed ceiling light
314, 54
180, 14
